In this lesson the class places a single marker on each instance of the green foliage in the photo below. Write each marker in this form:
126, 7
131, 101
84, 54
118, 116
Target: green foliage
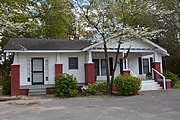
173, 77
102, 87
6, 87
177, 85
127, 85
149, 75
90, 89
66, 85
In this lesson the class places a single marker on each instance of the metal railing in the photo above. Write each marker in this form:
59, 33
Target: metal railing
132, 72
164, 78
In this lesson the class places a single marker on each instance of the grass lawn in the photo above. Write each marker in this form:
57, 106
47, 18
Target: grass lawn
177, 85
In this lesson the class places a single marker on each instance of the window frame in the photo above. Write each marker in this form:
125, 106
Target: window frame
103, 67
75, 67
146, 66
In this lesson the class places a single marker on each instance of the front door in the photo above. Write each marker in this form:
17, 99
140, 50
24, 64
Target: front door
37, 71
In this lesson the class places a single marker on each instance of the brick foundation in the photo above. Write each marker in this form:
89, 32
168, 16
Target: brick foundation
89, 73
23, 91
15, 79
168, 83
50, 91
126, 72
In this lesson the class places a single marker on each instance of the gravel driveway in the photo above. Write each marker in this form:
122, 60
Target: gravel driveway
154, 105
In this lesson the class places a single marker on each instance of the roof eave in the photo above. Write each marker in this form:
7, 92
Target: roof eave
42, 51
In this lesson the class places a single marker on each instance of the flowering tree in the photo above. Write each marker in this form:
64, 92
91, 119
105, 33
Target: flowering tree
106, 20
34, 19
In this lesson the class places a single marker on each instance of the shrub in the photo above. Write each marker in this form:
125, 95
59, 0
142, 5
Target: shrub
173, 77
102, 87
6, 87
127, 85
90, 89
66, 85
149, 75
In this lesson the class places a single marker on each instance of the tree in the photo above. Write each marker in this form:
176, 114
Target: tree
160, 14
107, 21
57, 18
34, 19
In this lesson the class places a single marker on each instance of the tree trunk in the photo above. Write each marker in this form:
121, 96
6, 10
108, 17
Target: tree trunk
114, 68
107, 67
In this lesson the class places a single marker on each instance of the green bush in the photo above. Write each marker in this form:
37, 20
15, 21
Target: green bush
66, 85
90, 89
6, 87
102, 87
127, 85
173, 77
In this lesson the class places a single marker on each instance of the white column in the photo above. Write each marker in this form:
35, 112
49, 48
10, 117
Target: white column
58, 58
89, 57
157, 57
15, 61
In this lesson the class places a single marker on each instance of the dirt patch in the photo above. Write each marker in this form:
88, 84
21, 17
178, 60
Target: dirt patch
27, 101
7, 98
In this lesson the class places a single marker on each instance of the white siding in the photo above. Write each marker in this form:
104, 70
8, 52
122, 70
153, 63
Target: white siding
79, 73
133, 63
23, 59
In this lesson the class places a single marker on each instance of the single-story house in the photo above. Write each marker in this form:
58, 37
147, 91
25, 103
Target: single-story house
37, 61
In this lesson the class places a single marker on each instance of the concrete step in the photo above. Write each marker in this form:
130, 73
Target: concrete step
148, 85
37, 91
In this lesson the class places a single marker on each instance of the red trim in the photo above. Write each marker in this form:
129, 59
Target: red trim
156, 66
168, 84
126, 72
50, 90
89, 73
23, 91
15, 80
58, 69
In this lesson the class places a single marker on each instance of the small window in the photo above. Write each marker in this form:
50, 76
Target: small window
103, 67
145, 66
96, 61
73, 63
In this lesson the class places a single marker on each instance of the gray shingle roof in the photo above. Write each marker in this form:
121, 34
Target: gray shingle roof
45, 44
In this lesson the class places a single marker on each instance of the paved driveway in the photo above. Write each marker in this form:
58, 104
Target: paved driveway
155, 105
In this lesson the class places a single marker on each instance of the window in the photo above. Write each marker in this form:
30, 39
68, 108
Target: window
103, 67
96, 62
146, 65
111, 65
73, 62
140, 65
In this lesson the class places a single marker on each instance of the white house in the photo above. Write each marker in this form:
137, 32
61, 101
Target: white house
37, 61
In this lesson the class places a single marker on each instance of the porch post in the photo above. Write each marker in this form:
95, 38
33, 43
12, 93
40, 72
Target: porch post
58, 66
157, 66
125, 70
89, 70
90, 57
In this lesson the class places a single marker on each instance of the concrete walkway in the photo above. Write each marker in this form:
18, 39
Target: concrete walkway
154, 105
